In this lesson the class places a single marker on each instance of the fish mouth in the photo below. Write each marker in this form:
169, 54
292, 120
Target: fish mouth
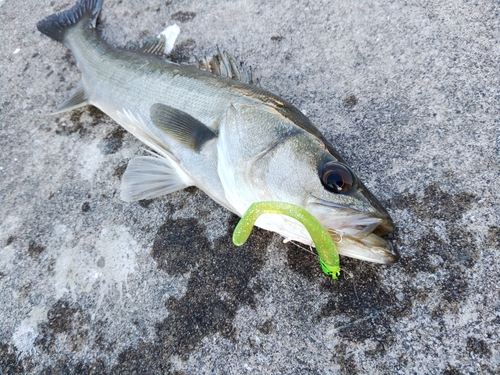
359, 234
370, 248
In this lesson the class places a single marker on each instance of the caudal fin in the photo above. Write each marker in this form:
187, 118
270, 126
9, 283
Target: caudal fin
57, 25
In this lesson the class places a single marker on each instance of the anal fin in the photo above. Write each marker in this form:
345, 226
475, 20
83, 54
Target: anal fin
148, 177
181, 126
76, 100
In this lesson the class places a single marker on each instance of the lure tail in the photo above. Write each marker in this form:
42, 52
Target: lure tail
57, 25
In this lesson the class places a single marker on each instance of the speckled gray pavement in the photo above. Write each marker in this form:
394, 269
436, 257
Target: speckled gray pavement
408, 92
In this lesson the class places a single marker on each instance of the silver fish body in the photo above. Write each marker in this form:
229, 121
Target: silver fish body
237, 142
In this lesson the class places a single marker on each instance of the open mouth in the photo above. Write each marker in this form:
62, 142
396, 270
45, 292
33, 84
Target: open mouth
371, 248
359, 234
362, 239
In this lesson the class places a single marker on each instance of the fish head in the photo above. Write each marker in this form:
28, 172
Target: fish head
303, 171
350, 212
265, 156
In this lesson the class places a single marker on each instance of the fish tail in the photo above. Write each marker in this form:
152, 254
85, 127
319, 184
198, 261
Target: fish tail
57, 25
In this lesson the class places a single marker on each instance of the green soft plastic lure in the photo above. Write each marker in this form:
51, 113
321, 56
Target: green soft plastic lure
327, 251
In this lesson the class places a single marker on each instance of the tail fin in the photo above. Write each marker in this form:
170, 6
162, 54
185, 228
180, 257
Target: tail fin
57, 25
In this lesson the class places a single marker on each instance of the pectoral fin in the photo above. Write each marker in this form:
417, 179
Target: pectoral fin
181, 126
148, 177
76, 100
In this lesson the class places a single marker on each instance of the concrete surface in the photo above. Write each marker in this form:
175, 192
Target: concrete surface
407, 91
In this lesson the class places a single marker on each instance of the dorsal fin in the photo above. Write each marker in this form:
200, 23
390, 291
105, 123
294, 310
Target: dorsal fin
155, 46
224, 65
221, 64
160, 45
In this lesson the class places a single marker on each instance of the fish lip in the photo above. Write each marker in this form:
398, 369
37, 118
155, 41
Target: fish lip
385, 254
363, 230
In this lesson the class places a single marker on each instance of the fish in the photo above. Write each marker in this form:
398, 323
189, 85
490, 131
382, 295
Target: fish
209, 127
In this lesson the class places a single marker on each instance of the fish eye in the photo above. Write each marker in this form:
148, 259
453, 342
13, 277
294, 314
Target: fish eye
336, 177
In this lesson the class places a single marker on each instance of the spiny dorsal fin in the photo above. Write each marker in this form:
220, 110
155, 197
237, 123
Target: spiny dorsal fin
181, 126
221, 64
224, 65
155, 46
160, 45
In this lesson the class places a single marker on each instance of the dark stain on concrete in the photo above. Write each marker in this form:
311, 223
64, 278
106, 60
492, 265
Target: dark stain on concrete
183, 16
112, 142
345, 360
356, 293
85, 207
191, 190
35, 248
453, 289
478, 347
120, 170
76, 127
359, 295
145, 358
218, 286
301, 260
144, 203
96, 114
457, 250
25, 290
350, 101
69, 58
460, 251
144, 33
436, 204
452, 370
97, 367
9, 363
268, 327
178, 244
493, 237
183, 51
62, 318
